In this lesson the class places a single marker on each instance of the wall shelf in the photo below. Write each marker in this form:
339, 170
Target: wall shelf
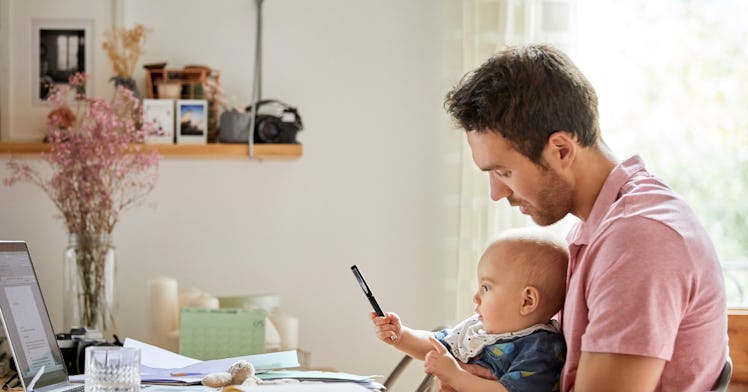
178, 151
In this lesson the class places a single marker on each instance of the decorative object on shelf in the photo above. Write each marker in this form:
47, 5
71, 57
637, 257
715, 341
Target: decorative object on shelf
169, 90
192, 121
98, 169
160, 112
152, 66
190, 82
124, 47
192, 79
234, 127
217, 103
128, 83
275, 122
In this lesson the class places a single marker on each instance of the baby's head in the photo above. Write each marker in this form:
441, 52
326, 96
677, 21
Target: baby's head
521, 280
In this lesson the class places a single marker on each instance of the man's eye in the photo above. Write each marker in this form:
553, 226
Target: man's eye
502, 173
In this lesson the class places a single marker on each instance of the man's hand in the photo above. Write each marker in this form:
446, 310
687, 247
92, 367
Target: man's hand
478, 370
442, 387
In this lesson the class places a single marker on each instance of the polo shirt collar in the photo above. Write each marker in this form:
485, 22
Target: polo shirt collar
609, 193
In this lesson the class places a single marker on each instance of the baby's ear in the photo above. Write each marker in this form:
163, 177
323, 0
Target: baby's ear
530, 300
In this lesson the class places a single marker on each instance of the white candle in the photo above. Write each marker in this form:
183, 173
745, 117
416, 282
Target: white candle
164, 312
204, 301
272, 338
288, 329
188, 295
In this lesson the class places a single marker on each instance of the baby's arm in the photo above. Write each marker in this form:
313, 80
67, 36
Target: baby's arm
444, 366
413, 342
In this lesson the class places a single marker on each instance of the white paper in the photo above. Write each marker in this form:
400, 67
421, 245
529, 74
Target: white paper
159, 365
302, 387
156, 357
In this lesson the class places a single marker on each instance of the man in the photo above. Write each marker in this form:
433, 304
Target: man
645, 305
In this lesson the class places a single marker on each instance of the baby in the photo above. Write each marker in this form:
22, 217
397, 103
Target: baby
521, 285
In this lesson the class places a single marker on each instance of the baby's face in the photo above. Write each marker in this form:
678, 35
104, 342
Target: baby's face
499, 297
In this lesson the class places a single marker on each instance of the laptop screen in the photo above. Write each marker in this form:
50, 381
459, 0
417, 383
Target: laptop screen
26, 319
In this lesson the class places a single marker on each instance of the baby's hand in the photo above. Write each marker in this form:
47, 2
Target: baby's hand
387, 328
440, 363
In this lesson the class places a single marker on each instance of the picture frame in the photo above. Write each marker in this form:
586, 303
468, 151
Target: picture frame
160, 112
60, 48
192, 121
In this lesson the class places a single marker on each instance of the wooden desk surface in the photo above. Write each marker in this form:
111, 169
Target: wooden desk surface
5, 378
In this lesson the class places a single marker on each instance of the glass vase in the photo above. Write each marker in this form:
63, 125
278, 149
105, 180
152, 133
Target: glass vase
128, 83
90, 284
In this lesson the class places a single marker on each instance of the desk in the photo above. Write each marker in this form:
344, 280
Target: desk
5, 378
321, 387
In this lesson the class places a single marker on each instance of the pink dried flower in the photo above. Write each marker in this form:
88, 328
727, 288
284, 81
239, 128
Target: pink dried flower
99, 167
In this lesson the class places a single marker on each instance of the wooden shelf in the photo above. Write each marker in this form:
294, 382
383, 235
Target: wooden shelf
177, 151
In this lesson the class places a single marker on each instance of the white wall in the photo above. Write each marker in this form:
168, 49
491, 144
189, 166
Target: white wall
372, 188
23, 116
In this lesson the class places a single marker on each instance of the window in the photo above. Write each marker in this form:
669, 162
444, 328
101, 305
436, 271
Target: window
671, 77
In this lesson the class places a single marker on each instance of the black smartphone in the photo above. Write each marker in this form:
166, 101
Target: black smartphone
367, 291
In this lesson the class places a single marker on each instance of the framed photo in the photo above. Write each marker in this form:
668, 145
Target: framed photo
192, 121
159, 112
61, 48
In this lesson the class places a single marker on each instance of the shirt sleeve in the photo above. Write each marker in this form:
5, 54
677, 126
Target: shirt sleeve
646, 263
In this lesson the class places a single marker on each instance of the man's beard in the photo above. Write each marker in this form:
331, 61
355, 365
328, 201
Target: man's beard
554, 201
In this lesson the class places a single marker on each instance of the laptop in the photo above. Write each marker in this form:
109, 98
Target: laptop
27, 325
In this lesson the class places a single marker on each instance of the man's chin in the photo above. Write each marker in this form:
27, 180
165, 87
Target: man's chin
544, 220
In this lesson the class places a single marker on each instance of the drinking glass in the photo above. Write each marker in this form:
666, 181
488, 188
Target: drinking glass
112, 369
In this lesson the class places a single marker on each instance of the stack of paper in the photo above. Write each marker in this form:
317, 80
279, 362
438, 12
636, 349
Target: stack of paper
165, 367
159, 366
326, 377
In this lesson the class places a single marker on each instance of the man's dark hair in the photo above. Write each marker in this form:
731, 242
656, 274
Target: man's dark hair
526, 94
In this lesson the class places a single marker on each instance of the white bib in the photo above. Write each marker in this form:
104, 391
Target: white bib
468, 338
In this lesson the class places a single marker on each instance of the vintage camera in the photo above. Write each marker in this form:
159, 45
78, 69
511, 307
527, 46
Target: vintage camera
276, 122
73, 346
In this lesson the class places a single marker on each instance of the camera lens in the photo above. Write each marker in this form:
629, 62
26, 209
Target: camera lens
268, 130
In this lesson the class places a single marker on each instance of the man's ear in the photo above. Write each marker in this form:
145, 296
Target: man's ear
560, 149
530, 300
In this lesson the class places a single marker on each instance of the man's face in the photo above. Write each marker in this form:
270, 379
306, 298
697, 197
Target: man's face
538, 192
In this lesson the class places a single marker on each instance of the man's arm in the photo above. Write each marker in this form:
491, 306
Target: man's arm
473, 369
617, 372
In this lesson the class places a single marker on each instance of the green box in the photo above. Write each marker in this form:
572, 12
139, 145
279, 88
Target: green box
221, 333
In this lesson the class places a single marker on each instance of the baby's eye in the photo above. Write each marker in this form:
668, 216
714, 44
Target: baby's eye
484, 288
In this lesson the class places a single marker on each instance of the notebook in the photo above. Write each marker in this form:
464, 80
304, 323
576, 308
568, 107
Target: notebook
27, 325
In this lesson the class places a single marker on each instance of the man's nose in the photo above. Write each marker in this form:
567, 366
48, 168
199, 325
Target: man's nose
499, 189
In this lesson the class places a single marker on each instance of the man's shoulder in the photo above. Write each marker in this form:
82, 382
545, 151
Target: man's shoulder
646, 205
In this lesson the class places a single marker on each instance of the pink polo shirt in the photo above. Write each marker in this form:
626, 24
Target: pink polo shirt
644, 279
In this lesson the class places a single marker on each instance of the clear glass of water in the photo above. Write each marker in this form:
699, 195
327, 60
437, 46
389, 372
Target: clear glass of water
112, 369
